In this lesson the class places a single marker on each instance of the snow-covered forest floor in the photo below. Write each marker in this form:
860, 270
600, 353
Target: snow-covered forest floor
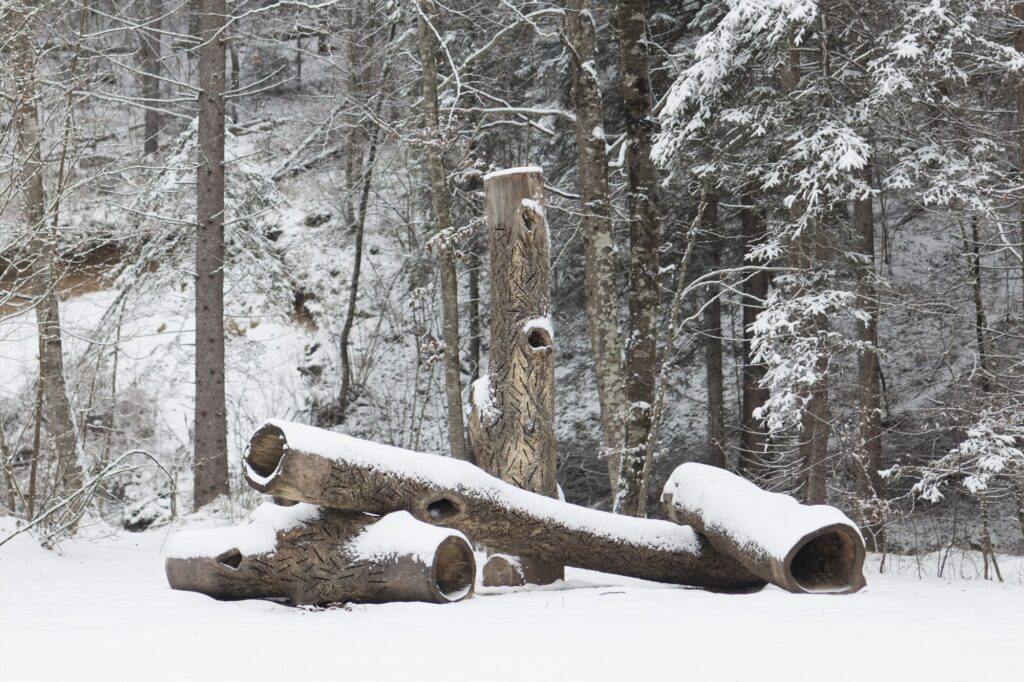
101, 609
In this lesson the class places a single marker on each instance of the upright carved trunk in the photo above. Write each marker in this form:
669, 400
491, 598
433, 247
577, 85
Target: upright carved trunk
513, 415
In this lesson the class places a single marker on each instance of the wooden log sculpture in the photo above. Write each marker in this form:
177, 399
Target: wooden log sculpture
512, 409
301, 462
799, 548
306, 555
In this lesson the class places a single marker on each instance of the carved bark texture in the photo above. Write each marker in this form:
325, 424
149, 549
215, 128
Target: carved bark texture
42, 245
445, 257
211, 458
753, 435
332, 557
640, 365
514, 424
798, 548
600, 266
301, 462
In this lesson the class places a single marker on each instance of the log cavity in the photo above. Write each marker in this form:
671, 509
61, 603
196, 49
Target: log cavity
454, 569
266, 449
231, 558
538, 338
443, 508
825, 563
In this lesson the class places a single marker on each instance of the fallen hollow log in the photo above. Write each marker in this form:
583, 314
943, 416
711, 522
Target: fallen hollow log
797, 547
300, 462
307, 555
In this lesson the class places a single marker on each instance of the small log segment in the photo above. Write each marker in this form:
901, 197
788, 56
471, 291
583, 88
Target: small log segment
512, 413
300, 462
306, 555
797, 547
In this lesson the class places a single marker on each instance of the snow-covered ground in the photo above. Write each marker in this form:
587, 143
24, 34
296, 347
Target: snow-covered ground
102, 610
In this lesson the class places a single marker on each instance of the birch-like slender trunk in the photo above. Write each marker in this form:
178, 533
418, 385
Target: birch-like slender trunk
43, 247
211, 457
442, 218
600, 265
640, 366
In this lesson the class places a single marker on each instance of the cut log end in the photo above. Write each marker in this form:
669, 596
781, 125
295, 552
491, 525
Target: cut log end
454, 570
830, 560
263, 455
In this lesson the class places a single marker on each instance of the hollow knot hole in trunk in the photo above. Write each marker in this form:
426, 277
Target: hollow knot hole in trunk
231, 558
443, 508
538, 338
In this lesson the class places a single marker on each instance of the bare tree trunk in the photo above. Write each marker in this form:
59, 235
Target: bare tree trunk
474, 263
211, 458
513, 414
713, 339
43, 246
816, 426
980, 323
753, 435
149, 51
446, 257
600, 267
353, 291
1018, 13
640, 366
867, 366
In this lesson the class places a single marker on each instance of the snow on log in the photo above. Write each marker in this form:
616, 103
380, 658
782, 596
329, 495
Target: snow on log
308, 555
333, 470
797, 547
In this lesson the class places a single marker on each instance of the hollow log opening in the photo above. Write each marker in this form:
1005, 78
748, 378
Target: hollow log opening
826, 563
231, 558
443, 508
266, 449
454, 569
538, 338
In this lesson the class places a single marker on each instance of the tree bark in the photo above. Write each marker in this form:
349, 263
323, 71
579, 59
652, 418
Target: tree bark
798, 548
211, 459
325, 556
753, 435
640, 367
43, 246
868, 383
980, 323
513, 408
446, 257
149, 51
353, 292
1018, 14
299, 462
713, 339
600, 266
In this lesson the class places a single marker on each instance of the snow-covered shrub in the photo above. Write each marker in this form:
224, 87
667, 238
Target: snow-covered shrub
990, 456
162, 246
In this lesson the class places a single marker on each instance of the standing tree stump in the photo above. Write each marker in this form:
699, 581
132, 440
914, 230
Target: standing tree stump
512, 417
